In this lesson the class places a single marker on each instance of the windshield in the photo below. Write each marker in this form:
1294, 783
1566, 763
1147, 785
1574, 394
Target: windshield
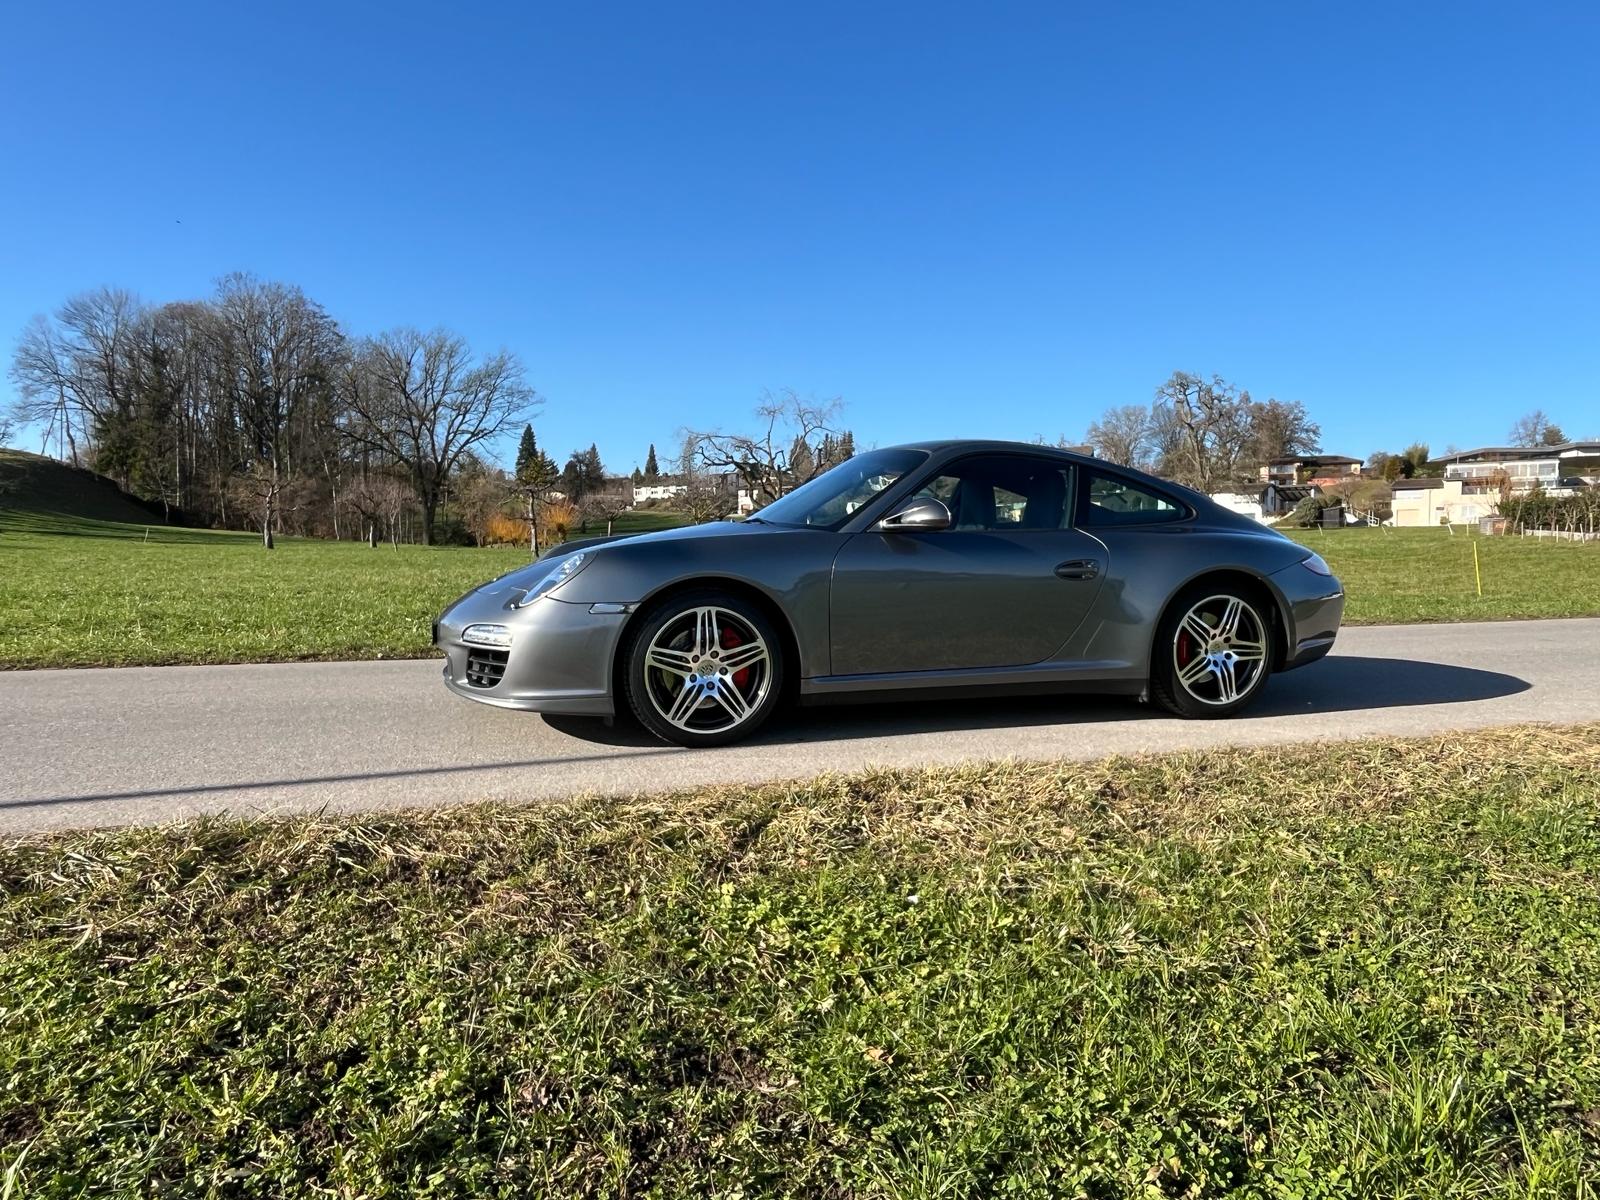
828, 500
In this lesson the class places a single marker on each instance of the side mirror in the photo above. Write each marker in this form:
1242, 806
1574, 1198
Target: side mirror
918, 516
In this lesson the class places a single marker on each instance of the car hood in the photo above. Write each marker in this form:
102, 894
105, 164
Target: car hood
526, 577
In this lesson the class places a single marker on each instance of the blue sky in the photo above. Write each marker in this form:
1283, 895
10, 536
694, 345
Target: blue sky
992, 219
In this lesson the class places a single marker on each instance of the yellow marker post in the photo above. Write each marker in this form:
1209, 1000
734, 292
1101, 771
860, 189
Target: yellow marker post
1477, 571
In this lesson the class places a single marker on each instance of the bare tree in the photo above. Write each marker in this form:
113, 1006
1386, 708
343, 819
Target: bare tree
705, 496
278, 352
1536, 429
768, 462
74, 376
1122, 435
420, 399
1281, 428
478, 498
606, 506
1203, 430
366, 499
42, 370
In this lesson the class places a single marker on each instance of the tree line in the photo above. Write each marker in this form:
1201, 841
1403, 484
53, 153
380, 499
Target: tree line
1204, 432
1212, 436
256, 406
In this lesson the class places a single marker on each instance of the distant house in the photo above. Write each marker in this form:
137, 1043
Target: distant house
1560, 469
1243, 504
1280, 498
1474, 480
1421, 502
664, 488
1323, 470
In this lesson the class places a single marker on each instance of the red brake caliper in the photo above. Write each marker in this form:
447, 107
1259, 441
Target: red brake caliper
1183, 648
730, 639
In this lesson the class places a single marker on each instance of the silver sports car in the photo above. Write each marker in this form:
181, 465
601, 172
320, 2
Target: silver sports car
911, 571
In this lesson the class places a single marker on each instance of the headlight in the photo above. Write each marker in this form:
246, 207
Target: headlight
487, 635
568, 567
1317, 566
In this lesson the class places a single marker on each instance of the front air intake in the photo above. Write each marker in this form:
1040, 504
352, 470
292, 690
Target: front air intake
485, 668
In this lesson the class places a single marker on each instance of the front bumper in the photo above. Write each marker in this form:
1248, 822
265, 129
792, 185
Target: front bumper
1313, 608
559, 660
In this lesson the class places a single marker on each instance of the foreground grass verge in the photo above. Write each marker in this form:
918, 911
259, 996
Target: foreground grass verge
1353, 970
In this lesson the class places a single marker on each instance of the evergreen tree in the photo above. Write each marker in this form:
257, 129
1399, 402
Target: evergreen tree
802, 465
847, 446
533, 466
527, 451
594, 471
638, 477
651, 469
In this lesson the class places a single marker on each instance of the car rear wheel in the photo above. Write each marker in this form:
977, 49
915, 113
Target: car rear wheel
704, 669
1213, 652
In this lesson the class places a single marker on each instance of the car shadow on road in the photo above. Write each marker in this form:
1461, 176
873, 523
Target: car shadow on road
1342, 683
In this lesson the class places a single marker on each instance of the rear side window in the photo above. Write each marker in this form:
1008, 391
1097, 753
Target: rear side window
1003, 492
1109, 500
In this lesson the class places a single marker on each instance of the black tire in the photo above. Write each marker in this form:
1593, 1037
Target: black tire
729, 703
1206, 695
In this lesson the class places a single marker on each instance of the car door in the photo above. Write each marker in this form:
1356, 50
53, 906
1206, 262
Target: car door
1004, 586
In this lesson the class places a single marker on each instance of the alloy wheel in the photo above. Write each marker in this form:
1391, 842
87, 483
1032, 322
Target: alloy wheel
1219, 651
707, 670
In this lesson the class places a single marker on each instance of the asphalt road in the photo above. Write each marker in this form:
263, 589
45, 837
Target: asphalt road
146, 744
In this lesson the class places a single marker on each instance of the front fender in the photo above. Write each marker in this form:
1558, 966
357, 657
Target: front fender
792, 569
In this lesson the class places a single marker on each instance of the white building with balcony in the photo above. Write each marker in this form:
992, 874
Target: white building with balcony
1560, 469
1471, 485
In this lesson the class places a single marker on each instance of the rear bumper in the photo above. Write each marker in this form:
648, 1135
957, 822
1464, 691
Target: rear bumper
1313, 608
559, 660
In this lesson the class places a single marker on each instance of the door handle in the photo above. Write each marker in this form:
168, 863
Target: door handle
1078, 568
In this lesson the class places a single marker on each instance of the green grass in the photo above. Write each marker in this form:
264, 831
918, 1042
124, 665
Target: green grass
100, 584
97, 595
1344, 971
640, 520
103, 584
1402, 576
33, 483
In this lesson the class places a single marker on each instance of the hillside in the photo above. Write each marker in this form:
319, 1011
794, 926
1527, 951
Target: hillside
38, 487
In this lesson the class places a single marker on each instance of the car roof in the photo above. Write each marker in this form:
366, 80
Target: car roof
1196, 499
945, 445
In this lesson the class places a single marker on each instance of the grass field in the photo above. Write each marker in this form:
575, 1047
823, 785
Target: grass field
99, 586
1345, 971
1401, 576
78, 592
81, 591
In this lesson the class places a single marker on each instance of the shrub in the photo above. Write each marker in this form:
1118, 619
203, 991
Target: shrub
1537, 509
1308, 512
502, 530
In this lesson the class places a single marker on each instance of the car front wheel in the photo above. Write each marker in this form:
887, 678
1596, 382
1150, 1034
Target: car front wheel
1213, 652
703, 669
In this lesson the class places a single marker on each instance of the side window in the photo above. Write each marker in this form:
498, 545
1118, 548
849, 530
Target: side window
1108, 500
1004, 492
